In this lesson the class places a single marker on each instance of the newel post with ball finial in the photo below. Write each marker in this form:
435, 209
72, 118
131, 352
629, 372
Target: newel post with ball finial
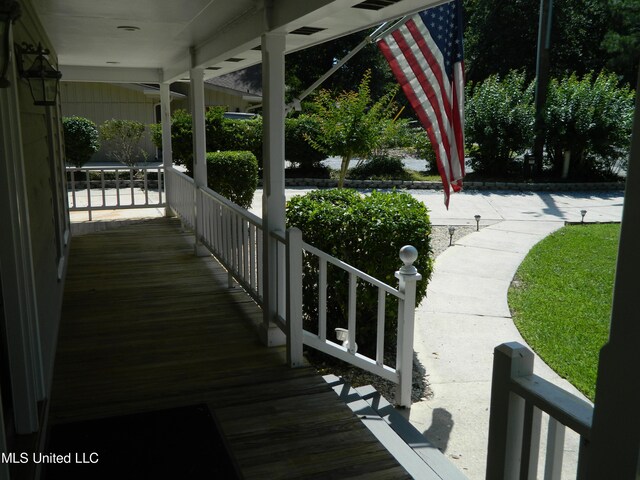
407, 277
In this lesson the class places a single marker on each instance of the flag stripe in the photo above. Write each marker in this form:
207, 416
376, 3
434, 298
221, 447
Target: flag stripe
437, 89
425, 55
419, 107
424, 88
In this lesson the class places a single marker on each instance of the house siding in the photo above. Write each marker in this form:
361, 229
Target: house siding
33, 243
102, 101
48, 218
212, 97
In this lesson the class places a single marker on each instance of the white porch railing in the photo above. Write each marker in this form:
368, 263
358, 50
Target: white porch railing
518, 399
110, 188
181, 196
235, 237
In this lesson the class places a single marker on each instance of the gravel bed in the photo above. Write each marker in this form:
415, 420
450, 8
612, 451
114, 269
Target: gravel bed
357, 377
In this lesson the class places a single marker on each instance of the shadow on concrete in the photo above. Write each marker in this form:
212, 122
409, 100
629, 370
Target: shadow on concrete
440, 430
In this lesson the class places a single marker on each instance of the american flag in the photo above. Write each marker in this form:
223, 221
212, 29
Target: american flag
425, 54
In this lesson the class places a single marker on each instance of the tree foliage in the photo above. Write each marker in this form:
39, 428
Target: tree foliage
224, 134
352, 125
502, 36
121, 139
622, 40
306, 66
499, 121
591, 118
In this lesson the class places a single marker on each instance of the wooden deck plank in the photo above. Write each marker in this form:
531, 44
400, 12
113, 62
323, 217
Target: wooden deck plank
146, 325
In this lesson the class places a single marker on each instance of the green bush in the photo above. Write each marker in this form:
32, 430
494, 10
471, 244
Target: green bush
222, 134
366, 232
591, 118
297, 149
233, 175
383, 167
499, 117
81, 140
181, 138
231, 134
121, 139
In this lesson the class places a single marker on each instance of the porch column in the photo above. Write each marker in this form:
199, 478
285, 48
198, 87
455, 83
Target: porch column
615, 437
167, 153
273, 200
199, 149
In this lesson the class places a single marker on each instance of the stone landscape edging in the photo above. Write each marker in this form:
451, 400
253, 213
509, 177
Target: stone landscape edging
426, 185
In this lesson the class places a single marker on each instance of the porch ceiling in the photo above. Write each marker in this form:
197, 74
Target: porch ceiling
87, 39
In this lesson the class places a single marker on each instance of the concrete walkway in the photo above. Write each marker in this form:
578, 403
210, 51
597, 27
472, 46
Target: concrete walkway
465, 314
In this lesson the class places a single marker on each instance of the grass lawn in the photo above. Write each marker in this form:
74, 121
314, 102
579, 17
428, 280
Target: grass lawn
561, 299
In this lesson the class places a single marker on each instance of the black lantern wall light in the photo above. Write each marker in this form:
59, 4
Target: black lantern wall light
9, 13
42, 77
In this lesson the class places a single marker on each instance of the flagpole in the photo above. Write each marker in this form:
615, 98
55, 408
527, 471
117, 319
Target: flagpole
295, 104
542, 80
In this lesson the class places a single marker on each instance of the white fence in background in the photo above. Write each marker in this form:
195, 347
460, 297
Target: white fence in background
518, 400
110, 188
235, 237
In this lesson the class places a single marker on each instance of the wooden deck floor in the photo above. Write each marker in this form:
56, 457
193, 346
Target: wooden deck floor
146, 325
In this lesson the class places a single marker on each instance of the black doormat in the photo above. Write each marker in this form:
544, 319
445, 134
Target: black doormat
179, 443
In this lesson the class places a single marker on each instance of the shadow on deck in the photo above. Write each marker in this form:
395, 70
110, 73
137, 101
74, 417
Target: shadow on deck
146, 326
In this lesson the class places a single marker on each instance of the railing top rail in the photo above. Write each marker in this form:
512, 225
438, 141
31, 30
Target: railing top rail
232, 206
565, 407
120, 167
180, 175
345, 266
280, 236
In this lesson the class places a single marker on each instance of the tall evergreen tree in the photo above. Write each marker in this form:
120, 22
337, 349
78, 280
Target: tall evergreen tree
502, 36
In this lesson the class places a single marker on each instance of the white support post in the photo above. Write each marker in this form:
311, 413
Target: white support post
273, 199
407, 277
294, 297
506, 419
167, 152
199, 151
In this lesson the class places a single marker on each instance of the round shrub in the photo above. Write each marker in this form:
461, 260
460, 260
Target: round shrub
367, 232
379, 167
81, 140
233, 175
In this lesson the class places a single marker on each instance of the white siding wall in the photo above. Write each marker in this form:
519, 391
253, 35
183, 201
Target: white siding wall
101, 101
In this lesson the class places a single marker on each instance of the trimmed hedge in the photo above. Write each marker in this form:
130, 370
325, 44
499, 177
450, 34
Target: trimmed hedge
224, 134
81, 140
366, 232
233, 175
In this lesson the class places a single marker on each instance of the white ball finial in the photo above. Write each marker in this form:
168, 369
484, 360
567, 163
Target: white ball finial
408, 255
